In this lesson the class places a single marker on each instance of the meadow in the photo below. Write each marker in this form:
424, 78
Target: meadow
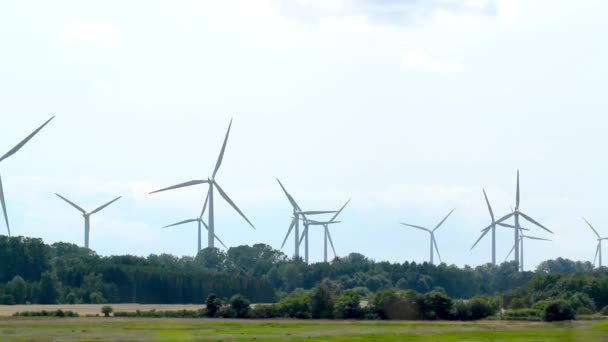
135, 329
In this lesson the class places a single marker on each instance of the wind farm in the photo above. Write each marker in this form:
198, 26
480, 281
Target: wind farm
350, 170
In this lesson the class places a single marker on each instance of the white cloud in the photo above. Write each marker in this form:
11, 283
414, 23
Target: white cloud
98, 35
419, 59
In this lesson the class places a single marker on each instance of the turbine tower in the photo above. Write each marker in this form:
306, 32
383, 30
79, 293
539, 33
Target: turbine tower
432, 233
201, 223
87, 216
295, 222
327, 235
598, 250
522, 237
8, 154
516, 214
213, 184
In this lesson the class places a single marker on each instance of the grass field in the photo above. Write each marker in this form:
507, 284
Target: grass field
91, 329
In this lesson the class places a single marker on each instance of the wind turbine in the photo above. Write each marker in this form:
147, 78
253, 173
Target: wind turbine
516, 214
521, 245
297, 213
201, 223
598, 250
87, 216
492, 227
327, 235
213, 184
432, 233
8, 154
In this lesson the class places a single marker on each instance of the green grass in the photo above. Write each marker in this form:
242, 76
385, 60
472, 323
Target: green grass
136, 329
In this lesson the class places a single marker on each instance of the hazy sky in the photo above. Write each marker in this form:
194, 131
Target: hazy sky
409, 107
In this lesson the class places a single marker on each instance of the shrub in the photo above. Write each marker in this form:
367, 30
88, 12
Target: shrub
393, 304
558, 310
240, 305
261, 311
583, 311
517, 303
461, 310
348, 305
44, 313
581, 300
604, 310
435, 305
213, 304
483, 306
106, 310
296, 305
522, 315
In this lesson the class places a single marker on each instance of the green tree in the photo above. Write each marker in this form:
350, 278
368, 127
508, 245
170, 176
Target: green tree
106, 310
321, 301
48, 289
558, 310
17, 288
211, 258
212, 305
348, 305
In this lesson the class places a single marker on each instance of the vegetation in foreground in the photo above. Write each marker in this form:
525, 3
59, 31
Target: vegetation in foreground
74, 329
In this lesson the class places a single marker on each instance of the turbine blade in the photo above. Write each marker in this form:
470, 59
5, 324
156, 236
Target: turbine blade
24, 141
436, 248
221, 191
204, 205
417, 227
316, 212
339, 211
182, 185
488, 203
3, 202
331, 243
293, 223
590, 226
445, 218
180, 223
597, 250
517, 192
481, 237
71, 203
105, 205
512, 226
303, 235
531, 220
289, 197
536, 238
221, 157
215, 235
511, 251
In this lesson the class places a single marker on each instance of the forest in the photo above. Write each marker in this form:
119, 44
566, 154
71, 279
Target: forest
34, 272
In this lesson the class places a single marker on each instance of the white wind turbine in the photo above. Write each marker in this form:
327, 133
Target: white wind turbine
522, 237
432, 233
213, 184
327, 234
598, 250
295, 223
8, 154
87, 216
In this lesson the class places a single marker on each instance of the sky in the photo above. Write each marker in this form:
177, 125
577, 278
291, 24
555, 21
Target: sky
408, 107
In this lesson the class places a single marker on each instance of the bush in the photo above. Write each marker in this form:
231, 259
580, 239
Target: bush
296, 305
558, 310
213, 304
106, 310
522, 315
583, 311
261, 311
461, 310
44, 313
240, 305
393, 304
604, 310
348, 305
435, 305
483, 306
